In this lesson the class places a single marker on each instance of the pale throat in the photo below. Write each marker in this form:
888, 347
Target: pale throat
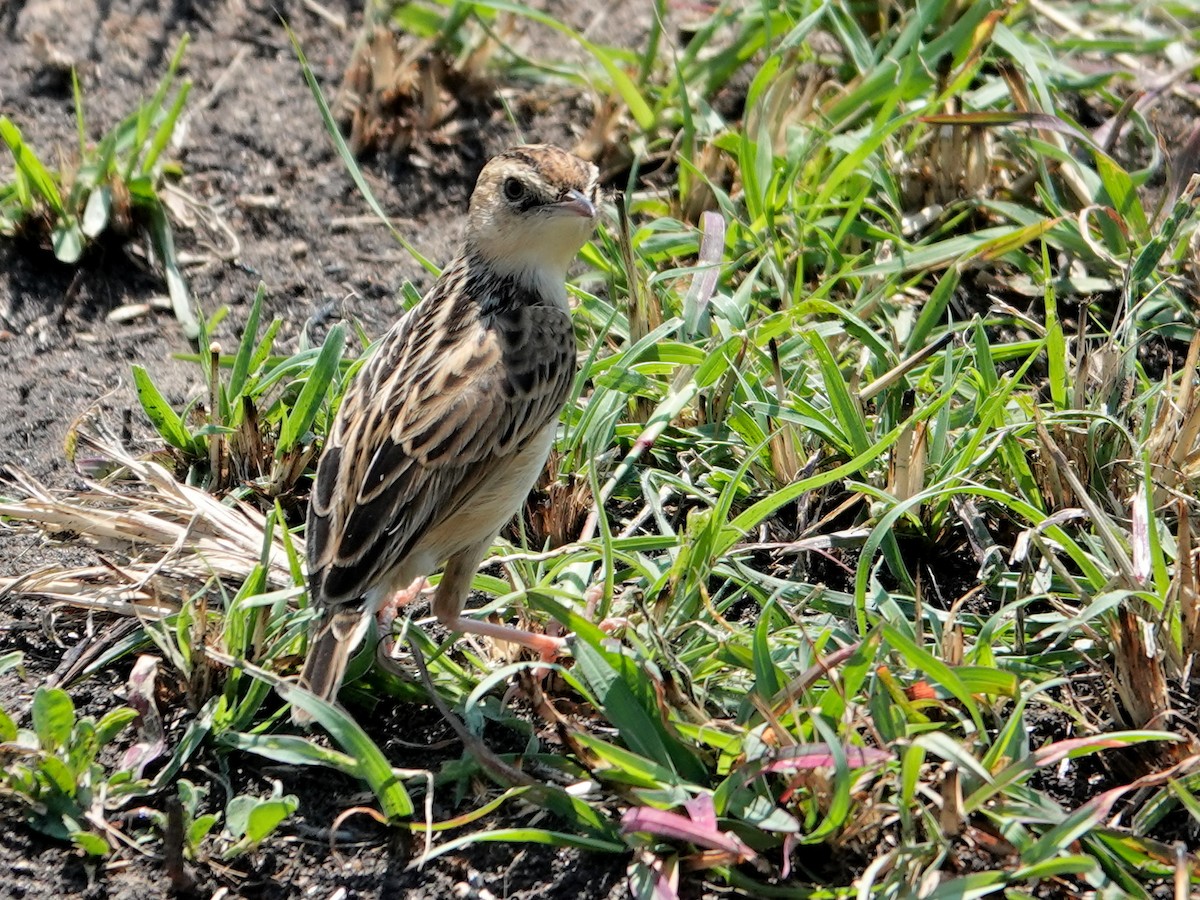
536, 258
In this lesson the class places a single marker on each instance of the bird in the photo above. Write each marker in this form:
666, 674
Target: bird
445, 429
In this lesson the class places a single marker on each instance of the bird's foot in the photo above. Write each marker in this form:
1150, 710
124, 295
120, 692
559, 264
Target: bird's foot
388, 611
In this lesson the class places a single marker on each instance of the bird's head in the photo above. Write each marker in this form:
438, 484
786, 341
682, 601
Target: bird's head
533, 208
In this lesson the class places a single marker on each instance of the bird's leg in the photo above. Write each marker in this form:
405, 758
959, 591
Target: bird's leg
590, 599
390, 608
546, 646
451, 596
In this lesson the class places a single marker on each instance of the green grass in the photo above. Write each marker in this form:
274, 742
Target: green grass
888, 395
109, 187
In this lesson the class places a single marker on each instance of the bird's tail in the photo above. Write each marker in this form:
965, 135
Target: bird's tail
329, 647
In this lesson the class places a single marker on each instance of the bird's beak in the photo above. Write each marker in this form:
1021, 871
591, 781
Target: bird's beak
577, 204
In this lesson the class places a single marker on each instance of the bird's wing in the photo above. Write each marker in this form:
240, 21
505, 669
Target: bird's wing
443, 402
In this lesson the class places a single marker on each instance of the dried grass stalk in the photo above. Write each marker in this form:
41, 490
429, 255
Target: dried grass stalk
159, 541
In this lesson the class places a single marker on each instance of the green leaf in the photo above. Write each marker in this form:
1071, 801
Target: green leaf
845, 406
969, 887
200, 828
245, 352
263, 351
164, 243
197, 730
625, 766
933, 310
80, 130
528, 836
984, 680
164, 419
59, 775
96, 213
314, 392
995, 248
82, 747
190, 795
1150, 255
53, 717
1123, 194
113, 723
31, 168
291, 750
373, 767
267, 816
640, 727
237, 814
67, 241
1057, 358
766, 673
91, 844
167, 126
1075, 864
142, 191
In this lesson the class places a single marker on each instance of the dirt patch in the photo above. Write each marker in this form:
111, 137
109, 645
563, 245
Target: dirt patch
264, 198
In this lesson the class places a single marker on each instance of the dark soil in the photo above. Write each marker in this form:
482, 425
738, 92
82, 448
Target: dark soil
277, 207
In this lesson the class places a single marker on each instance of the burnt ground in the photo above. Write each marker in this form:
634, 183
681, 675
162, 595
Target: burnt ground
270, 202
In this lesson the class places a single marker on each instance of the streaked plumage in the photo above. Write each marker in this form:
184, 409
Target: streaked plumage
445, 429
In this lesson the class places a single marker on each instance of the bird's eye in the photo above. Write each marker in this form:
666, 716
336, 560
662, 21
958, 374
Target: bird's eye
513, 189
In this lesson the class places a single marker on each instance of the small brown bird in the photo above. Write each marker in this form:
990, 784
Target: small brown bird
443, 432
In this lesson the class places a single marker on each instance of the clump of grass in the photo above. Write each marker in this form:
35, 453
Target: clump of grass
256, 431
112, 187
53, 767
416, 67
399, 90
58, 772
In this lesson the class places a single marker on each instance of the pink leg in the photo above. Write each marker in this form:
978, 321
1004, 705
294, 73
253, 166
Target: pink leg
590, 599
549, 647
452, 594
391, 608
